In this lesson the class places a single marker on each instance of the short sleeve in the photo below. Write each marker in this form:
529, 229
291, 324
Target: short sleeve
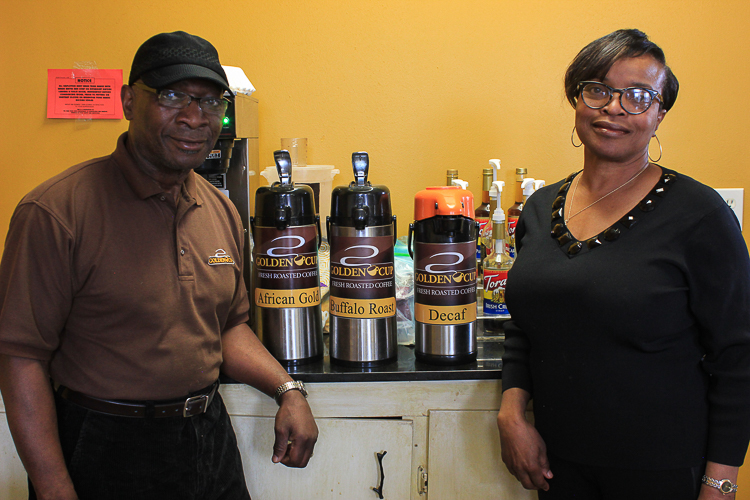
36, 286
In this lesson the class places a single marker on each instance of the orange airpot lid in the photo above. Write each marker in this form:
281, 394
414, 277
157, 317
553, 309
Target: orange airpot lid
443, 200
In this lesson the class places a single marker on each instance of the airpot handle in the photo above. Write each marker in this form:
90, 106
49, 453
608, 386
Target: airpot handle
283, 166
361, 165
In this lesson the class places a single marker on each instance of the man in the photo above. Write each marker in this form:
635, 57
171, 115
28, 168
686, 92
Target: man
114, 324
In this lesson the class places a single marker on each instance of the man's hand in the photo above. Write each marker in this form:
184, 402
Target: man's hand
523, 449
296, 431
32, 418
246, 360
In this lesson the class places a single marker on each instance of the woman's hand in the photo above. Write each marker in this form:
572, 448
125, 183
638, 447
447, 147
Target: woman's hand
718, 471
523, 449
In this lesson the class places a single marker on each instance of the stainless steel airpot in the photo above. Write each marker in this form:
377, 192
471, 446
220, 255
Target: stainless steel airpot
362, 304
286, 276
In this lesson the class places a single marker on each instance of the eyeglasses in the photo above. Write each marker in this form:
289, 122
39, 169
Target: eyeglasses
634, 100
215, 106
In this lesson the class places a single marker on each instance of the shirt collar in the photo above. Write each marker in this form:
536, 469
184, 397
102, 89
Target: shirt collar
143, 185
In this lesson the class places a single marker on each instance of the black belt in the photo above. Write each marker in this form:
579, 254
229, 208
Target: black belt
188, 407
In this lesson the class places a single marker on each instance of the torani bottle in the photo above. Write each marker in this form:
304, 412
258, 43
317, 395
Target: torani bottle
496, 266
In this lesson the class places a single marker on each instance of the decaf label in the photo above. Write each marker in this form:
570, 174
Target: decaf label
362, 277
445, 281
286, 267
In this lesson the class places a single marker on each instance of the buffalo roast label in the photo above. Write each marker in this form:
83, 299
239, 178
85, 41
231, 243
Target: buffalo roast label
362, 277
445, 283
286, 267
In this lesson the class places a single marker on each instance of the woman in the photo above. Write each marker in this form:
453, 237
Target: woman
630, 306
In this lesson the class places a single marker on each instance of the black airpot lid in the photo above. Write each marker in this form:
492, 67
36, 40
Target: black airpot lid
360, 204
283, 203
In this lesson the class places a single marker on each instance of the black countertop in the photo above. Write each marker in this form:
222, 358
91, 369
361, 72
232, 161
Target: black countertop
406, 367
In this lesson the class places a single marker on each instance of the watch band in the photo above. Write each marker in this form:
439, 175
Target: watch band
294, 385
725, 486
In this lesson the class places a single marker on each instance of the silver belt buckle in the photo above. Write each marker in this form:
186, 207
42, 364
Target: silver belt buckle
203, 399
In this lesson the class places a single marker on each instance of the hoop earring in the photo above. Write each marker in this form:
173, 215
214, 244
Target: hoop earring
572, 134
660, 152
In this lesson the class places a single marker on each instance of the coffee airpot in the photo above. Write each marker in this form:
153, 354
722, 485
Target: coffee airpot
286, 275
362, 304
443, 237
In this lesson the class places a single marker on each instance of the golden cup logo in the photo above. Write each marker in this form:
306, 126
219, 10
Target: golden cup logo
445, 283
352, 266
376, 271
362, 277
219, 258
263, 261
282, 256
445, 279
444, 272
286, 267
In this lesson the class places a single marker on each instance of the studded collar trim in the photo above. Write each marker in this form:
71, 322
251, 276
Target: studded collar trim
573, 247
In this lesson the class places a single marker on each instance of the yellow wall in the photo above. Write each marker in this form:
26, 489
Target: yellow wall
421, 85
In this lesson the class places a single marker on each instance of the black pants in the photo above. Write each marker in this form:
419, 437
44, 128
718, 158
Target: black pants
113, 458
588, 482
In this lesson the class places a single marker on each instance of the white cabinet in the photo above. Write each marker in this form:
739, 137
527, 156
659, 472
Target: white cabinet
442, 433
464, 458
345, 463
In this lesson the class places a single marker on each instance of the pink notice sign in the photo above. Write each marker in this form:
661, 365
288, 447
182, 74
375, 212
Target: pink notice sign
84, 93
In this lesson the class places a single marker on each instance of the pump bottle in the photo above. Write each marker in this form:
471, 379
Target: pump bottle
496, 266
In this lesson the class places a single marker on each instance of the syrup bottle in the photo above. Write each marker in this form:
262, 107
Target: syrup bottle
514, 212
482, 213
495, 267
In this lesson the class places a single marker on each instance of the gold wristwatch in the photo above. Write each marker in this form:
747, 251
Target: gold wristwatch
294, 385
724, 485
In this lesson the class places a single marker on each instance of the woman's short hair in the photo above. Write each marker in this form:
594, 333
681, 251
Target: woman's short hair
594, 61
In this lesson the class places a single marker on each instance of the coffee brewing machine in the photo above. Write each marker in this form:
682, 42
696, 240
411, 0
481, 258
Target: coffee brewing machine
232, 165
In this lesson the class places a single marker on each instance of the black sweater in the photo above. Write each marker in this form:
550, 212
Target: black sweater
635, 345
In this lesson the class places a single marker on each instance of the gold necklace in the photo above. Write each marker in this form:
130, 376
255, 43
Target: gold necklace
578, 180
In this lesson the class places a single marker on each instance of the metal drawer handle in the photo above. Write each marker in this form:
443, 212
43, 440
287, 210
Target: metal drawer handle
379, 489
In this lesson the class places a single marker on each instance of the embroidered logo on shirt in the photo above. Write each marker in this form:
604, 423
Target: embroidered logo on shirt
220, 258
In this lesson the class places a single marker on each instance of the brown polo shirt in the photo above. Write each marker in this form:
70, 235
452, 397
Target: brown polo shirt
123, 293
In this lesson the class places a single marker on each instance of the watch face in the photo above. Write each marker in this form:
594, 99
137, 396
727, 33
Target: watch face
726, 486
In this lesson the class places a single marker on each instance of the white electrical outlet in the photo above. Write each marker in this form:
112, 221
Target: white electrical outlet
734, 198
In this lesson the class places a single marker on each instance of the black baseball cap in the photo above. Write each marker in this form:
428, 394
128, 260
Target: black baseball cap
167, 58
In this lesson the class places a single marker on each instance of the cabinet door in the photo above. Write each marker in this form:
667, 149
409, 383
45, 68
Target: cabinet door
344, 465
464, 458
13, 484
